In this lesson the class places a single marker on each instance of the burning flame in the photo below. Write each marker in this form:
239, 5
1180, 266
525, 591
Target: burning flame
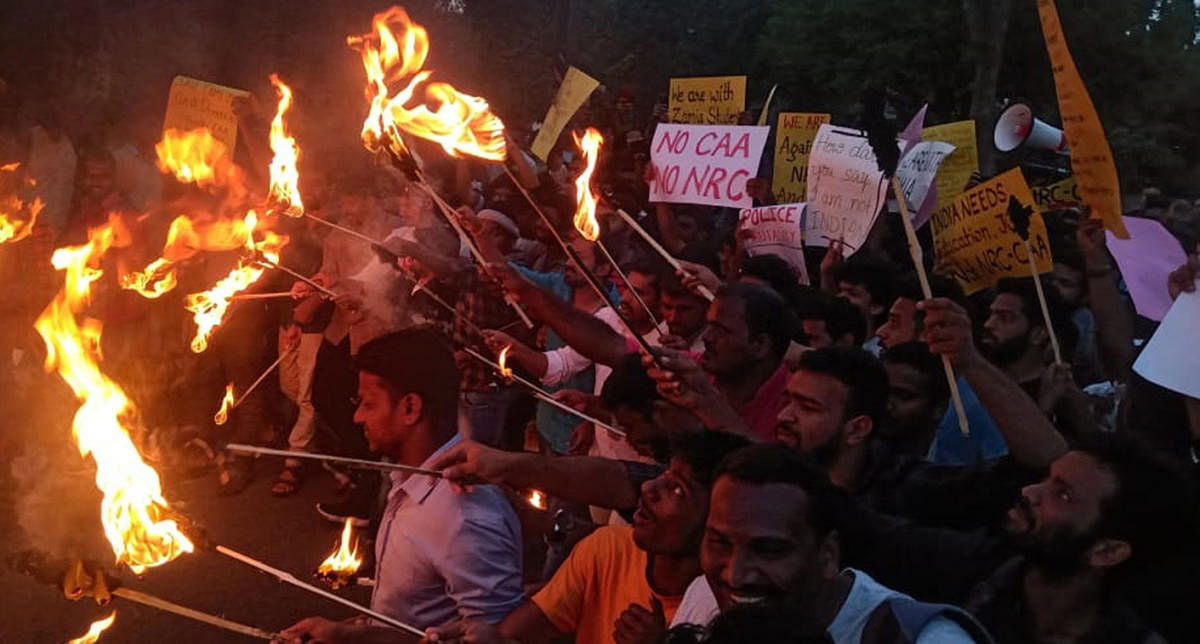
94, 631
133, 512
222, 414
585, 212
13, 226
460, 123
184, 239
344, 561
285, 178
537, 499
209, 306
503, 361
192, 156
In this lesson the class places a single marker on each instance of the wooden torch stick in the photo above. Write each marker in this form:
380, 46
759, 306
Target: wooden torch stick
918, 258
360, 463
1041, 295
310, 282
266, 372
632, 223
184, 611
625, 278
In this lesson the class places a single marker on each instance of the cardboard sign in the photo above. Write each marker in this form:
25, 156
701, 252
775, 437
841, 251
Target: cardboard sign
705, 164
776, 230
917, 171
957, 167
845, 188
575, 89
711, 100
1057, 196
1091, 158
1170, 357
196, 104
794, 135
1146, 259
974, 240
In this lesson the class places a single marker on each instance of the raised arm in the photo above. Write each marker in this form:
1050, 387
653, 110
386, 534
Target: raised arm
1032, 439
1114, 320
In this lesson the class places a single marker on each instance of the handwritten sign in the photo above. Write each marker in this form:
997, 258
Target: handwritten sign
711, 100
1091, 158
916, 173
575, 89
1057, 196
705, 164
957, 167
776, 230
974, 240
196, 104
845, 188
793, 143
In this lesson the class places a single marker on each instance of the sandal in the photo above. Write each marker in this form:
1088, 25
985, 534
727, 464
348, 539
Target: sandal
287, 483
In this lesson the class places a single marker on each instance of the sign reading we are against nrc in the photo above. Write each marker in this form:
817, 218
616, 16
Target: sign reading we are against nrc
705, 164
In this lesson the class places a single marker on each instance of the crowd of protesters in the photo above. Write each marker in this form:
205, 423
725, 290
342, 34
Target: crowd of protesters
791, 468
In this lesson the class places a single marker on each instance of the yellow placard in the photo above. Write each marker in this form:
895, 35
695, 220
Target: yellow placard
194, 103
1057, 196
793, 144
974, 240
575, 89
1091, 158
711, 100
956, 168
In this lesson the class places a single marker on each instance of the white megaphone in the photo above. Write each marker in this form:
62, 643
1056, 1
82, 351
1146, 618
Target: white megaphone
1017, 127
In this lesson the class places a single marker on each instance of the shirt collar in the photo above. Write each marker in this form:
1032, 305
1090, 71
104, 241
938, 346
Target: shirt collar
419, 485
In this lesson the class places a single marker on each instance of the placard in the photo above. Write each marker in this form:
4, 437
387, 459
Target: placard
845, 188
1170, 357
1146, 260
575, 89
705, 164
794, 135
917, 171
974, 240
956, 169
710, 100
776, 230
1060, 195
194, 103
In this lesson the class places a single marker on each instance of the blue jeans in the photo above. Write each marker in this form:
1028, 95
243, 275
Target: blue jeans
481, 414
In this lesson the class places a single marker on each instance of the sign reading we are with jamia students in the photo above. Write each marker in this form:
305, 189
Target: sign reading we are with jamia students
705, 164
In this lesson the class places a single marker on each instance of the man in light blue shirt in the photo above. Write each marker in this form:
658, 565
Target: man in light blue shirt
440, 554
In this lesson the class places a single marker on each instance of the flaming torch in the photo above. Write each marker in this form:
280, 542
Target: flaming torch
340, 567
536, 499
14, 227
285, 178
222, 414
133, 511
95, 630
502, 360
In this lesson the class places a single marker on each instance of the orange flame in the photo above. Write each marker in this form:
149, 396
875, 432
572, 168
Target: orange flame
460, 123
536, 499
184, 239
192, 156
585, 212
16, 217
94, 631
209, 306
285, 178
222, 414
344, 561
503, 361
133, 512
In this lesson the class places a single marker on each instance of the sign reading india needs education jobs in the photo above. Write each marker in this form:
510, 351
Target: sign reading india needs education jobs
710, 100
974, 240
793, 144
194, 104
705, 164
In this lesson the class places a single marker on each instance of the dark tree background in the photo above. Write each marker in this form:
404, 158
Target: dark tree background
109, 62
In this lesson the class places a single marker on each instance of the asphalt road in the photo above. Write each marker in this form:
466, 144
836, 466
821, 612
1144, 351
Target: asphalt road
286, 533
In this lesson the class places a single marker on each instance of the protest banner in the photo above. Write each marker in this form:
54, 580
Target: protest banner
1060, 195
845, 188
917, 171
794, 135
194, 103
957, 167
575, 89
1091, 158
1170, 357
705, 164
710, 100
974, 240
776, 230
1146, 259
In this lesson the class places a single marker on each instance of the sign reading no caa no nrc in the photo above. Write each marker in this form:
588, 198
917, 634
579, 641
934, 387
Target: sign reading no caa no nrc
705, 164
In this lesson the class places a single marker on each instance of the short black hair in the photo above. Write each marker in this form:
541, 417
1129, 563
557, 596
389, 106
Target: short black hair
764, 311
652, 266
842, 317
1060, 315
774, 270
415, 361
704, 451
918, 356
871, 272
909, 287
861, 373
630, 386
766, 463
